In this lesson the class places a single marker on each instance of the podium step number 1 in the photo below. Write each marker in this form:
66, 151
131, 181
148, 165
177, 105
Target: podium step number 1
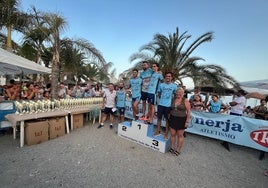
143, 134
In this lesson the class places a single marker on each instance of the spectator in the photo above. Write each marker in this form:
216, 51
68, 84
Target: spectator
13, 91
97, 90
216, 105
196, 92
197, 103
46, 95
62, 91
237, 107
120, 102
89, 91
180, 116
30, 92
108, 105
260, 110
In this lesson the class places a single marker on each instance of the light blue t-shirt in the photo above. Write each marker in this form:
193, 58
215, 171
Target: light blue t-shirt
154, 82
146, 76
120, 98
215, 107
167, 91
135, 84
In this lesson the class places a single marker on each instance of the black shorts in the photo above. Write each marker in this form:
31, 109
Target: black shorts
163, 111
108, 111
144, 96
177, 123
121, 110
151, 98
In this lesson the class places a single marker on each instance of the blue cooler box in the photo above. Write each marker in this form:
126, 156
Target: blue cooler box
6, 107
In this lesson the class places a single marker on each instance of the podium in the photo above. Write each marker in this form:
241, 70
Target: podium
143, 134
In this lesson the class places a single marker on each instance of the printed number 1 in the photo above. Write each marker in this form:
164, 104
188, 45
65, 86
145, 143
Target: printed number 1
124, 128
139, 125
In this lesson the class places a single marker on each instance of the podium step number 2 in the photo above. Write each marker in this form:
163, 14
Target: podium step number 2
143, 134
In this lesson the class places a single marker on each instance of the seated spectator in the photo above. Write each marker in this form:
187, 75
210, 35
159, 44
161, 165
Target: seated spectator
62, 91
13, 91
38, 92
216, 105
260, 110
197, 103
89, 91
46, 95
30, 92
97, 90
248, 112
196, 92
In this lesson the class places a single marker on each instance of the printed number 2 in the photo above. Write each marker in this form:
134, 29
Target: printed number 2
139, 125
124, 128
155, 143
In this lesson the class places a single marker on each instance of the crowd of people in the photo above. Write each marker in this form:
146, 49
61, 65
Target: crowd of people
39, 90
151, 87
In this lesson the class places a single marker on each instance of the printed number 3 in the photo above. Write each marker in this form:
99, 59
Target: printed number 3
155, 142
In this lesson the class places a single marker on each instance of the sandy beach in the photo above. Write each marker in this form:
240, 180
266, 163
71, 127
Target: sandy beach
91, 157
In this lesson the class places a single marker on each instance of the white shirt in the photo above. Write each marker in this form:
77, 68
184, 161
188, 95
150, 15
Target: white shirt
241, 102
110, 98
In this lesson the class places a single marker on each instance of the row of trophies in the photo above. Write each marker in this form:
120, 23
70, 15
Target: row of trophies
31, 107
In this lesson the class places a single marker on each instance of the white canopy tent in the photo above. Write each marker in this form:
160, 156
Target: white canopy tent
11, 64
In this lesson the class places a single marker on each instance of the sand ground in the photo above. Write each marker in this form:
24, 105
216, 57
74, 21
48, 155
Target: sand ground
91, 157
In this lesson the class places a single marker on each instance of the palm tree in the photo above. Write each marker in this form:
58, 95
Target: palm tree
11, 18
170, 52
35, 35
56, 25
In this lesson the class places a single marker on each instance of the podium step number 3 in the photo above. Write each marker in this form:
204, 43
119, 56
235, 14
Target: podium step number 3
143, 134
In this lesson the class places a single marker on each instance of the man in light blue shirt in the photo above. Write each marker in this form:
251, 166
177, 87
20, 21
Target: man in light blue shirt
156, 78
166, 91
135, 84
120, 102
145, 76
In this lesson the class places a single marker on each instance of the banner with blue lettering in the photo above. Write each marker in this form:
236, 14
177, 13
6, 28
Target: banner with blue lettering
239, 130
234, 129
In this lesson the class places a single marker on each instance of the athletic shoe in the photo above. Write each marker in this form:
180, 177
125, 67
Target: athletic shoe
100, 126
142, 118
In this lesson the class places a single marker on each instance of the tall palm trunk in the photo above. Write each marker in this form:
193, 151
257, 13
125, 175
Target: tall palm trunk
9, 41
55, 74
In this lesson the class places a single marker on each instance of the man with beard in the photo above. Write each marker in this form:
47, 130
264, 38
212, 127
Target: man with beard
135, 83
166, 91
145, 76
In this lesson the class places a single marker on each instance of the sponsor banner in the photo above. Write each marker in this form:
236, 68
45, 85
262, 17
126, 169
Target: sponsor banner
234, 129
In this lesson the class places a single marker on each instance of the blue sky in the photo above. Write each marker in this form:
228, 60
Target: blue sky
118, 28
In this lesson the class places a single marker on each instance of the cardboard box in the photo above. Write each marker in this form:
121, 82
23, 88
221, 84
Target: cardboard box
56, 127
78, 121
36, 132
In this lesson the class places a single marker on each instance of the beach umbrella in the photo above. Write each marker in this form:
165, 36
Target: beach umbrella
255, 95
